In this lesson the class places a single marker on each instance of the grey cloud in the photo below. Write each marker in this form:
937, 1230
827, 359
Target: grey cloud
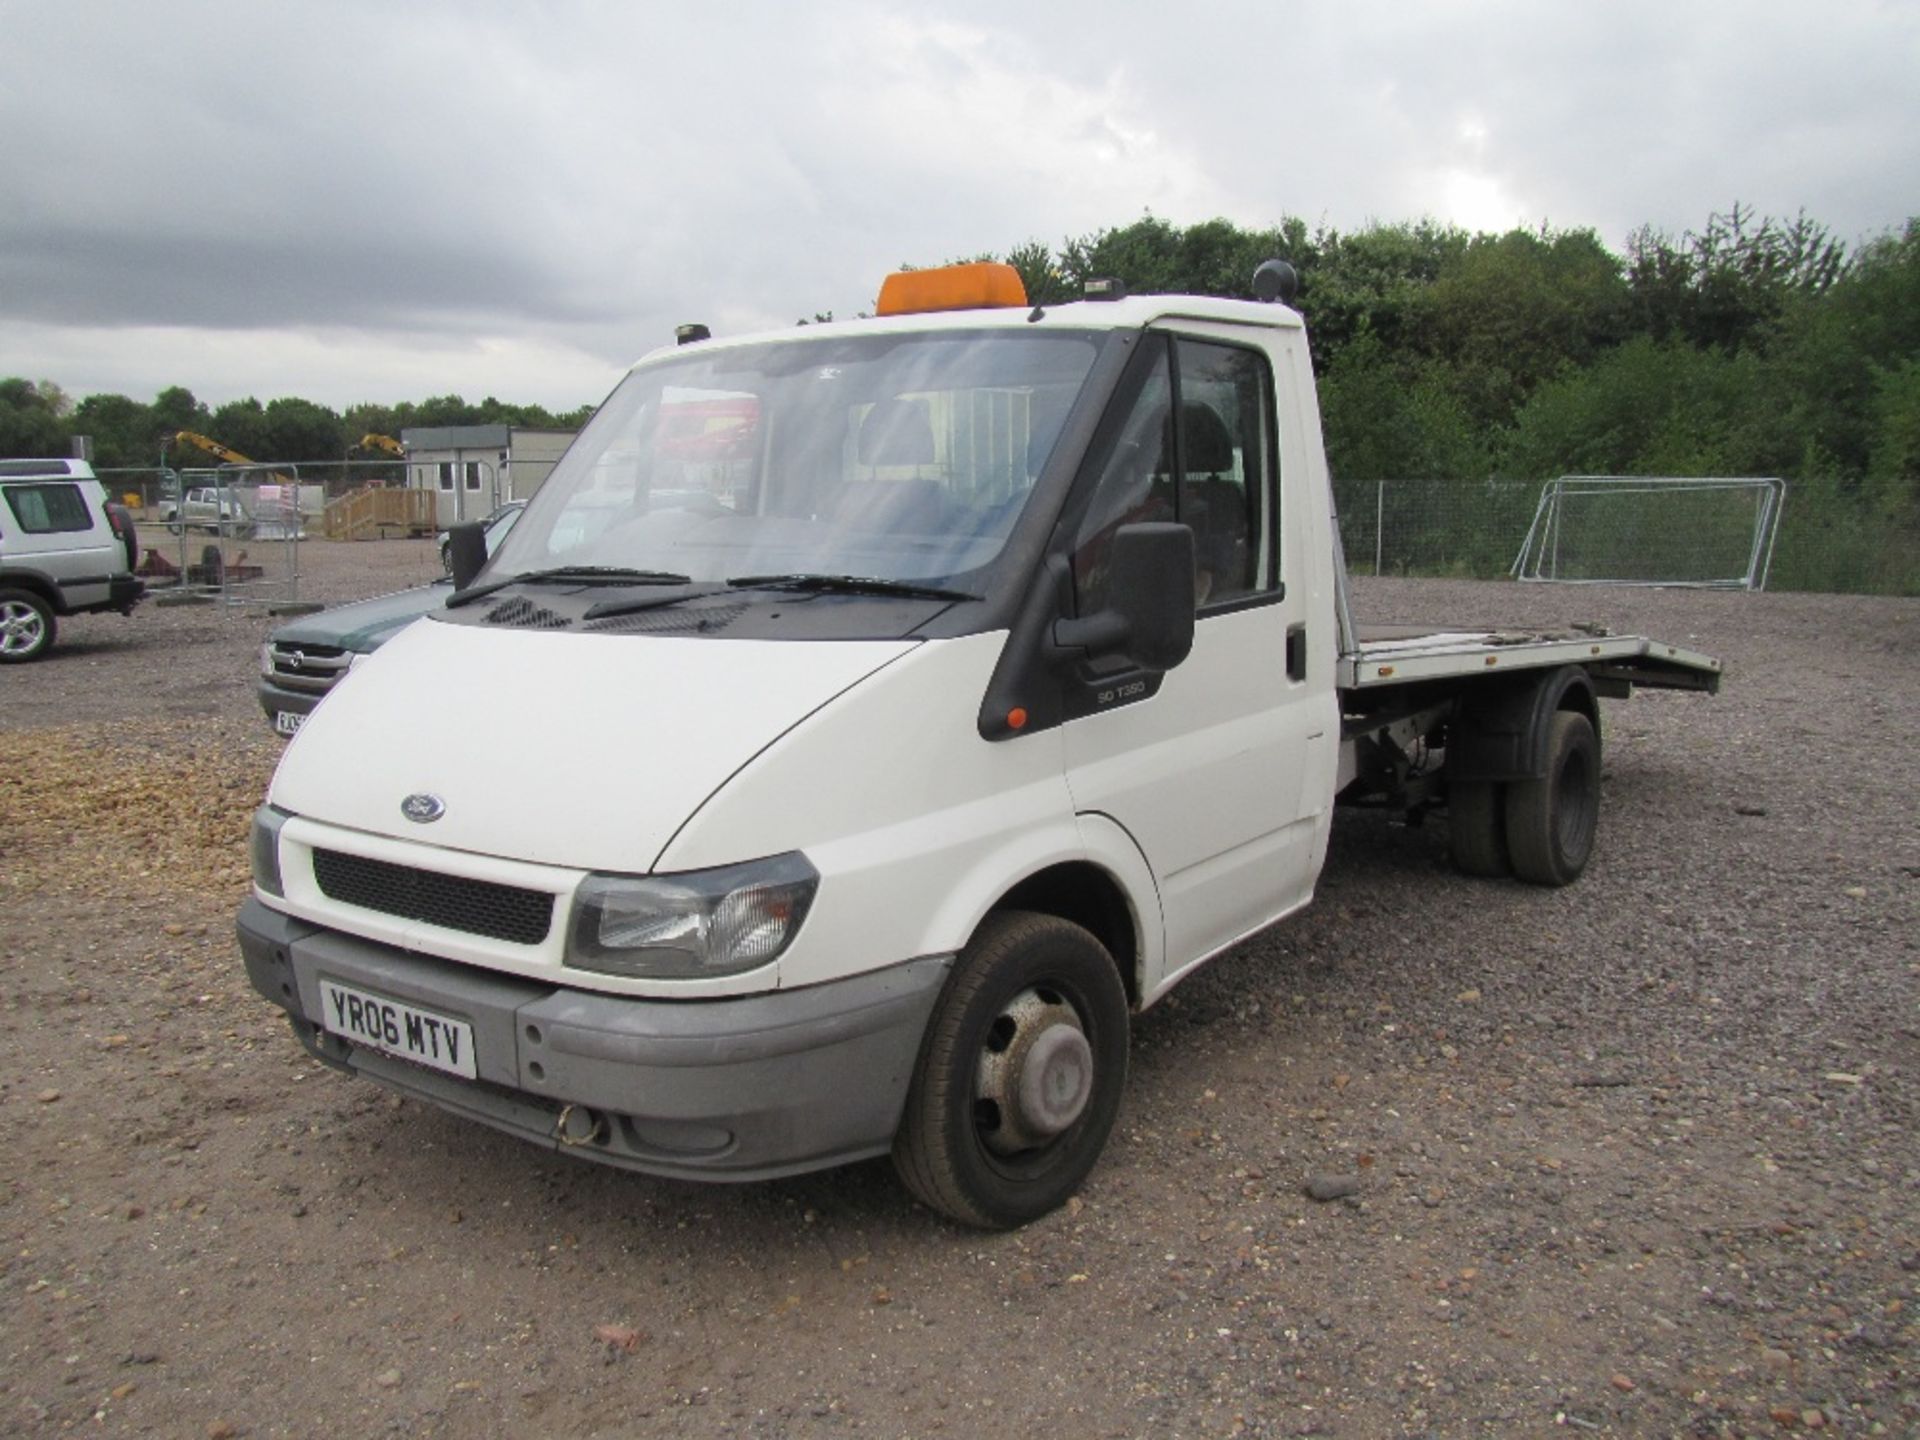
578, 178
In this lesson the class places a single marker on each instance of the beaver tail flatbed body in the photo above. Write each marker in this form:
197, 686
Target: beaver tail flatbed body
1388, 656
909, 701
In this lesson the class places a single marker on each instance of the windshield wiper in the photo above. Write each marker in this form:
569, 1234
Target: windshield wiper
848, 585
572, 575
601, 609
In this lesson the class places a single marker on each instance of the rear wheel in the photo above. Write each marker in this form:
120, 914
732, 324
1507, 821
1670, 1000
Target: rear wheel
26, 627
1020, 1074
1551, 820
1477, 827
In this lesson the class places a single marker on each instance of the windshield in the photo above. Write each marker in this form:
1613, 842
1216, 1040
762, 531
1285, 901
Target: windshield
895, 457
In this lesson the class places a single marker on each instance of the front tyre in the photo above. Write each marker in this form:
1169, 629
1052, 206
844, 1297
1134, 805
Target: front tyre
26, 627
1019, 1076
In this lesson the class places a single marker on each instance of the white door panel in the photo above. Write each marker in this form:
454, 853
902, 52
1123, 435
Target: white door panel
1207, 777
1217, 776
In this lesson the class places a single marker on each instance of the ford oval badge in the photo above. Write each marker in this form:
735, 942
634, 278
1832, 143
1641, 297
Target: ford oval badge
423, 809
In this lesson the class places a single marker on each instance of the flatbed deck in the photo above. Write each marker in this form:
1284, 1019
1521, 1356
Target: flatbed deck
1389, 655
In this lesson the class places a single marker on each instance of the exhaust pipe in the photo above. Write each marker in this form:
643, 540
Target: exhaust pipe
578, 1125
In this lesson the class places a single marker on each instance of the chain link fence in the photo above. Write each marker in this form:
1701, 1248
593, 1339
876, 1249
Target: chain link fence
1829, 536
232, 534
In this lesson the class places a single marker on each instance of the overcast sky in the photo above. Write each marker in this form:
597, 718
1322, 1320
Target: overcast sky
357, 201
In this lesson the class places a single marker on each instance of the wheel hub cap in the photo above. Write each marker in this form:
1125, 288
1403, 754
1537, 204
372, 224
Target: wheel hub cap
1036, 1072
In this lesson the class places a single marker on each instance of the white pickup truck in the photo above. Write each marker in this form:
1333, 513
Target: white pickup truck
896, 706
212, 508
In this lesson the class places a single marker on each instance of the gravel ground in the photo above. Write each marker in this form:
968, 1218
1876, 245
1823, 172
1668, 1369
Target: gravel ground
1633, 1158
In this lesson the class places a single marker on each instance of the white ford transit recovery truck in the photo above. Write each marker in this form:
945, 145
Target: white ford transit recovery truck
898, 705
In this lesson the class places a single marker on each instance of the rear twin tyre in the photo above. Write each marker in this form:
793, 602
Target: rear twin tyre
1540, 830
1477, 828
1019, 1076
1551, 820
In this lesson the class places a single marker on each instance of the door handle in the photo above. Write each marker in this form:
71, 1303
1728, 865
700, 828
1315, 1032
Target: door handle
1297, 651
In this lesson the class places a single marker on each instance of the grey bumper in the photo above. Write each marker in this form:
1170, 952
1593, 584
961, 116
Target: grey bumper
737, 1089
275, 700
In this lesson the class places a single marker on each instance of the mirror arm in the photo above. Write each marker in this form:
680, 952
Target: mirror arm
1104, 633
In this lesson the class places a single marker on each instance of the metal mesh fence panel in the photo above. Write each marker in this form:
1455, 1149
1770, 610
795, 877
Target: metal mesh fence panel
229, 534
1830, 535
1638, 530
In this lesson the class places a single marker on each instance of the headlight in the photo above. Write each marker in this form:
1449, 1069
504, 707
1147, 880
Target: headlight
264, 846
704, 922
266, 659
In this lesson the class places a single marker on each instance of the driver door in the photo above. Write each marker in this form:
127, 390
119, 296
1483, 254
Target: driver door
1204, 766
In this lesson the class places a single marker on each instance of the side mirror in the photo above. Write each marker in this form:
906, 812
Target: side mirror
466, 552
1148, 617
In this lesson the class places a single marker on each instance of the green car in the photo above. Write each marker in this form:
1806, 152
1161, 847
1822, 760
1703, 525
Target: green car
305, 658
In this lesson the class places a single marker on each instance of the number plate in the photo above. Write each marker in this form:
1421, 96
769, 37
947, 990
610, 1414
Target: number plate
398, 1029
286, 722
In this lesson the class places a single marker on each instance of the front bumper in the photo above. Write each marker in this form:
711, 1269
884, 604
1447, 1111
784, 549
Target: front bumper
277, 701
739, 1089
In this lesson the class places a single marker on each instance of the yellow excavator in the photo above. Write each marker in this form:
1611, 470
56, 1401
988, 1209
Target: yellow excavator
372, 441
212, 447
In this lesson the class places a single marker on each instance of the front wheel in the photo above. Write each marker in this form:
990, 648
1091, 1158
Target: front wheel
26, 627
1019, 1076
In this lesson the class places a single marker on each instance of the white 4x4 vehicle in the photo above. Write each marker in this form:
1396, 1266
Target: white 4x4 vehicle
64, 550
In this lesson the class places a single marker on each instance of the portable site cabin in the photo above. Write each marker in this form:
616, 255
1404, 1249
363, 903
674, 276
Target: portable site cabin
475, 469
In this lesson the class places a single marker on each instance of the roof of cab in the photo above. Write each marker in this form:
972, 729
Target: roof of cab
1134, 312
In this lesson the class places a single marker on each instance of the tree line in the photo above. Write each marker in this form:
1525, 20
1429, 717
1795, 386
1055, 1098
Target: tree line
1749, 347
37, 419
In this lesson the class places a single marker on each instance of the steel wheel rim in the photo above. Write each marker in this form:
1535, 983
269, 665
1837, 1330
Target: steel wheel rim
1034, 1079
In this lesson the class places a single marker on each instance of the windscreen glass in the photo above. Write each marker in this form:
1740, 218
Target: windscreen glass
895, 457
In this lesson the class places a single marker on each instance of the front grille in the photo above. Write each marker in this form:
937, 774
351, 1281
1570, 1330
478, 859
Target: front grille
477, 907
313, 668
